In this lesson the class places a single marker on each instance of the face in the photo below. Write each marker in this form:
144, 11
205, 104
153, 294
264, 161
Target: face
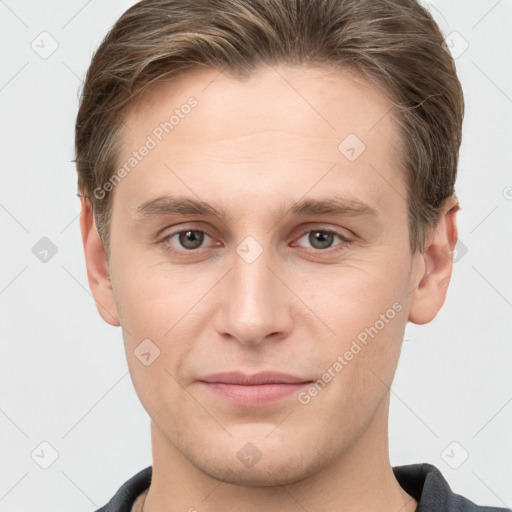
296, 260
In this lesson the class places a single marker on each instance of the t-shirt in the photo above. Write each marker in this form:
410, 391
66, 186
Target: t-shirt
424, 482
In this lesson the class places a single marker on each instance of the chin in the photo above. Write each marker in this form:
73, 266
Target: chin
273, 468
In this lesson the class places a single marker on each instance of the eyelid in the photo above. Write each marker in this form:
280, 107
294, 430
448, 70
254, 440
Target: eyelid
326, 229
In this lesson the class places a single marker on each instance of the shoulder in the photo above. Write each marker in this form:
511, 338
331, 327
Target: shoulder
431, 490
125, 497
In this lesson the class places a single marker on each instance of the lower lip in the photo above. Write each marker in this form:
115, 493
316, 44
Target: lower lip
259, 394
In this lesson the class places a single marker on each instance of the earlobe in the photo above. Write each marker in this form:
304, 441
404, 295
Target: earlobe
97, 267
430, 293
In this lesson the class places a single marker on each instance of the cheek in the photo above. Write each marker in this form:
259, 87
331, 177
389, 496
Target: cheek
367, 312
151, 299
162, 316
352, 299
159, 390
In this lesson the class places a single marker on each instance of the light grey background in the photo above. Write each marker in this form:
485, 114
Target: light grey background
63, 371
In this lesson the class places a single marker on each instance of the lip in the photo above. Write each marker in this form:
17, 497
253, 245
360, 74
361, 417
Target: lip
253, 390
255, 379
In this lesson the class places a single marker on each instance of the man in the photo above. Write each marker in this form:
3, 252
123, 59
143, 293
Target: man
268, 198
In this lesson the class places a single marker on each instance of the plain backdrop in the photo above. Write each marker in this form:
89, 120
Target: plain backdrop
67, 400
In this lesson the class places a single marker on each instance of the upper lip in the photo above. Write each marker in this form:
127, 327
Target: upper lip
255, 379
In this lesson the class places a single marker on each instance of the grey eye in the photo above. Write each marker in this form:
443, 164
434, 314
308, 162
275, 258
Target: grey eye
190, 239
320, 239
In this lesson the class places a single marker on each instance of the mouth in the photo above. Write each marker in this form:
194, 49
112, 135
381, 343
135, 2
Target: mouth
253, 390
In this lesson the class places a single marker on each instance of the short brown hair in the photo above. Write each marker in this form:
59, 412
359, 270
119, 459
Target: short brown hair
393, 43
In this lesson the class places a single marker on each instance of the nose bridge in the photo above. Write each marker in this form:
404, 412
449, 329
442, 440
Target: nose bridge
255, 305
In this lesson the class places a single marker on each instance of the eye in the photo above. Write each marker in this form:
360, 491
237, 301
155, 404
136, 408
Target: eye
322, 239
187, 240
191, 240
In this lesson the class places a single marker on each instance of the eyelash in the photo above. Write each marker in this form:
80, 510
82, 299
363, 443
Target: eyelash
345, 241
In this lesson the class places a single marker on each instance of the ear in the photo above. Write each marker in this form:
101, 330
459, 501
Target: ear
437, 259
97, 266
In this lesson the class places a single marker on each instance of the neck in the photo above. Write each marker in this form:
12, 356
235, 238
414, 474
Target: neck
360, 479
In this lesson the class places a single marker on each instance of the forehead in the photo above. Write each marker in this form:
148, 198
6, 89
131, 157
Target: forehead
281, 127
300, 99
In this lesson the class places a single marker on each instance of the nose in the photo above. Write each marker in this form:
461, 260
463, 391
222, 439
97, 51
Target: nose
255, 305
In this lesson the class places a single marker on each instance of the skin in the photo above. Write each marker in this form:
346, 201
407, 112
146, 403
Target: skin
253, 147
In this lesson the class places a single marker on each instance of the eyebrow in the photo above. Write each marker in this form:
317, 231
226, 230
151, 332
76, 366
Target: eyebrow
338, 206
